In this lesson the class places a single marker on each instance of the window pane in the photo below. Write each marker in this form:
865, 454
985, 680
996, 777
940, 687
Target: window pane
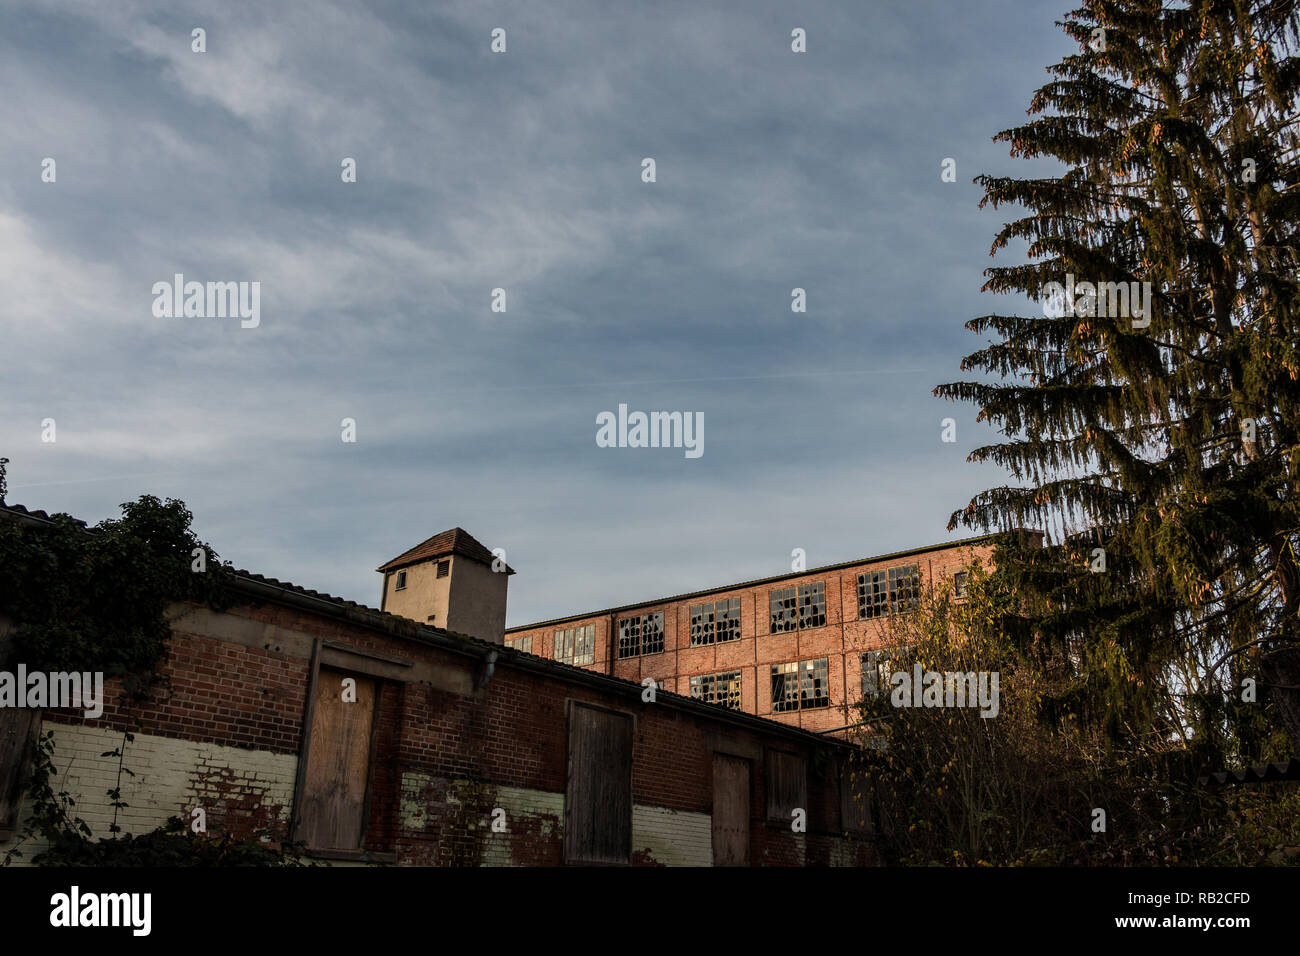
652, 633
782, 603
812, 604
904, 587
584, 651
727, 627
871, 594
629, 637
701, 624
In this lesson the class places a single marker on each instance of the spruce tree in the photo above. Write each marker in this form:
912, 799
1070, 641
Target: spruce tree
1159, 452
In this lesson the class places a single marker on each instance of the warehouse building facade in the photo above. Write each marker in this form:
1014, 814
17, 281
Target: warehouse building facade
798, 648
375, 739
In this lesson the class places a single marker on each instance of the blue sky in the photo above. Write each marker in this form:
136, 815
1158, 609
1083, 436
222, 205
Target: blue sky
519, 171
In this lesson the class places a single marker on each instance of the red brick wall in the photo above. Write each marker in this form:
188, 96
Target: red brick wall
513, 733
841, 641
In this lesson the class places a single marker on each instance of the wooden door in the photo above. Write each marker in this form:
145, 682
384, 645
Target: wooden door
338, 763
19, 729
598, 798
730, 811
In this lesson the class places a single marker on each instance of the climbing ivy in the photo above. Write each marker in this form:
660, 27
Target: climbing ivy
69, 841
96, 599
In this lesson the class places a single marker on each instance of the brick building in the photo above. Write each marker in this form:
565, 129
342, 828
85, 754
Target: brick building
797, 648
378, 739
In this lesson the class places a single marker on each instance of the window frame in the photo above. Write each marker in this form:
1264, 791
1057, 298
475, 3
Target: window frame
708, 693
873, 603
785, 607
725, 611
632, 640
909, 588
806, 597
789, 703
569, 638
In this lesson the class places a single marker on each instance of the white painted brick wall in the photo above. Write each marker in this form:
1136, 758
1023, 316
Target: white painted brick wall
670, 837
673, 837
167, 778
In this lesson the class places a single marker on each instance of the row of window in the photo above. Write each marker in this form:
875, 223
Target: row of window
892, 591
797, 685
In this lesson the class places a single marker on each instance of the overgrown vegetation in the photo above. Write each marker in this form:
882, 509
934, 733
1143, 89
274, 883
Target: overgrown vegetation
1025, 786
96, 600
1162, 444
69, 841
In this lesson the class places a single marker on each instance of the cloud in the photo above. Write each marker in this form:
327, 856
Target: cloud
519, 171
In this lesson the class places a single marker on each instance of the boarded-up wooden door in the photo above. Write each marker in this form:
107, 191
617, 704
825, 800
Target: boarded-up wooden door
730, 811
598, 799
338, 763
19, 728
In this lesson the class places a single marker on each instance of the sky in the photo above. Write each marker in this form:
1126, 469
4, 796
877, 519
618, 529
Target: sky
522, 171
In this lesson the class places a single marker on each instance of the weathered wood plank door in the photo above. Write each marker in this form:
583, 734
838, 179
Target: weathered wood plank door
730, 811
598, 804
19, 728
338, 763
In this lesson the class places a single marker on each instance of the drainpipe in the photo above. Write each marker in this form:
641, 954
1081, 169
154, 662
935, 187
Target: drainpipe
490, 662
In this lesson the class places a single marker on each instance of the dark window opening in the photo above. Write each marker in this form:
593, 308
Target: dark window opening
800, 685
641, 634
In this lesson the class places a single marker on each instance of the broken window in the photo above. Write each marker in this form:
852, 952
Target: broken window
904, 587
782, 603
721, 689
875, 673
873, 595
701, 624
719, 622
444, 568
959, 584
401, 581
727, 620
796, 607
576, 645
598, 794
641, 634
800, 685
812, 604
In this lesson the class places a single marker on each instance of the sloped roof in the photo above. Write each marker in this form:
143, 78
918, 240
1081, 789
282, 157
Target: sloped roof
455, 541
268, 588
757, 582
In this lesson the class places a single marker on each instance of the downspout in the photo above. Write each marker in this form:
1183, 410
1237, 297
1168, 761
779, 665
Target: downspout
490, 665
